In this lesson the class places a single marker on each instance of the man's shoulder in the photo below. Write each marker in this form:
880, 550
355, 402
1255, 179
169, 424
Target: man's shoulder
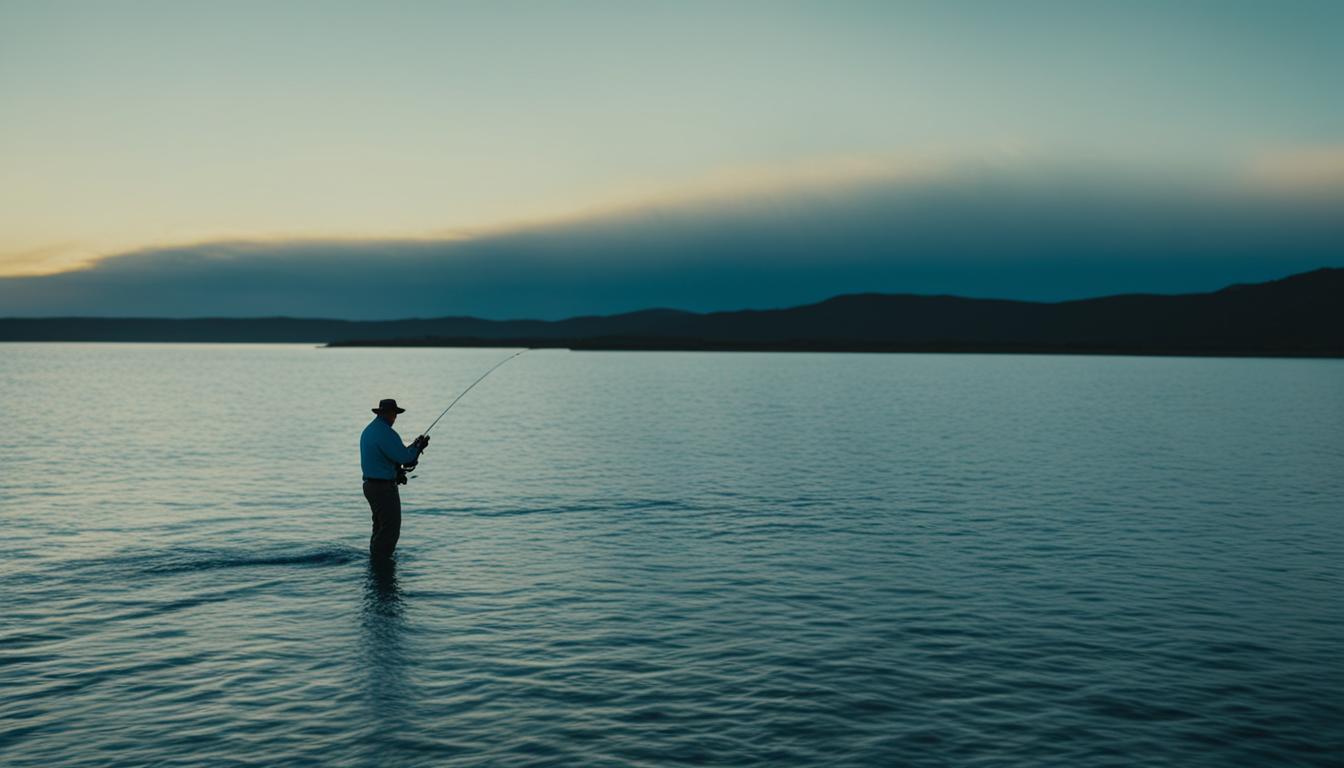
380, 427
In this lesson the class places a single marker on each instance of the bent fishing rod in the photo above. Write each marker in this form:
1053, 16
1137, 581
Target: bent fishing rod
463, 394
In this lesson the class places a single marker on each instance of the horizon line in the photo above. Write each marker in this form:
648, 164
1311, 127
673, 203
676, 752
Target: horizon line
1100, 297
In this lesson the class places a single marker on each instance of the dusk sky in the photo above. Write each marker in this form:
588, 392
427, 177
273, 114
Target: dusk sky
543, 159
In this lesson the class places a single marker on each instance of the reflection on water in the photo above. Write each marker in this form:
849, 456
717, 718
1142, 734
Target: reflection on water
386, 691
382, 593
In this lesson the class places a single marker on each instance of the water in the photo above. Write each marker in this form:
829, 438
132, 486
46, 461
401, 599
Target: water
666, 559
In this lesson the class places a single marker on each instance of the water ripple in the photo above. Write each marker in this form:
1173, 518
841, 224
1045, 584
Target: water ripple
683, 559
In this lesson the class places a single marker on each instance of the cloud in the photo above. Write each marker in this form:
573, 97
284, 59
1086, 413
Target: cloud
994, 229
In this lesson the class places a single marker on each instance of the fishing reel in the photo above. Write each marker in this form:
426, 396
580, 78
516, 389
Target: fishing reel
402, 470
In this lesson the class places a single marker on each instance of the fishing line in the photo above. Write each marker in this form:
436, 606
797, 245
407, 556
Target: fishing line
474, 383
402, 477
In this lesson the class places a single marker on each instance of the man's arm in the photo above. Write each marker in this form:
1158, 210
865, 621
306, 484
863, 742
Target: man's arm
397, 453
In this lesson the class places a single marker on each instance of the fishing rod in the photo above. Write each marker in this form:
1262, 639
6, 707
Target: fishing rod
464, 394
468, 389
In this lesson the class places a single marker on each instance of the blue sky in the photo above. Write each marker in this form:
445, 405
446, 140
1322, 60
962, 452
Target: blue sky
318, 127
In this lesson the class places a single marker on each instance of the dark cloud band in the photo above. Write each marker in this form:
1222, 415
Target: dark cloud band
998, 235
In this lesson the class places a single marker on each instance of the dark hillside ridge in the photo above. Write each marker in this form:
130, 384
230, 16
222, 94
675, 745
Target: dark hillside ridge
1300, 315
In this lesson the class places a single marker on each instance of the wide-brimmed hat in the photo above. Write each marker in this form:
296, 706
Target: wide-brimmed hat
388, 406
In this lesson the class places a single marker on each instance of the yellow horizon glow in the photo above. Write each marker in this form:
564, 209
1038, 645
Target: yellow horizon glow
1301, 169
1306, 171
34, 257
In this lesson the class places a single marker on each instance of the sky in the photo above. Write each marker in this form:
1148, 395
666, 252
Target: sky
540, 159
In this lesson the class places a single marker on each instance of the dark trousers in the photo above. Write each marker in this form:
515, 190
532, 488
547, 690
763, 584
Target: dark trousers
385, 503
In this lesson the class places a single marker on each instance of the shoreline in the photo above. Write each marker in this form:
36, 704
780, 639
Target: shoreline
623, 344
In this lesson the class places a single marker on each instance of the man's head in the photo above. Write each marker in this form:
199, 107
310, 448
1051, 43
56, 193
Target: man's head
388, 410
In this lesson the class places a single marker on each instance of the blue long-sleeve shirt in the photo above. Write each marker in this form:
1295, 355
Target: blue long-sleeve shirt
381, 451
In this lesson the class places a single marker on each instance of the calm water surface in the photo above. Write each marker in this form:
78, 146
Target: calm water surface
616, 559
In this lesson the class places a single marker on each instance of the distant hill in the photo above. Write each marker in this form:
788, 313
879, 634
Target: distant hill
1300, 315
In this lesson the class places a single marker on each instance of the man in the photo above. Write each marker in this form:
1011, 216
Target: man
382, 456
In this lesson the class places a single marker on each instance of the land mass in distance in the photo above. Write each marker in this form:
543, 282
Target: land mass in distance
1299, 316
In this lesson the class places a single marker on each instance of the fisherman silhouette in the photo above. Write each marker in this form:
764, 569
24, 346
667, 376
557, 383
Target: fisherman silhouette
384, 459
